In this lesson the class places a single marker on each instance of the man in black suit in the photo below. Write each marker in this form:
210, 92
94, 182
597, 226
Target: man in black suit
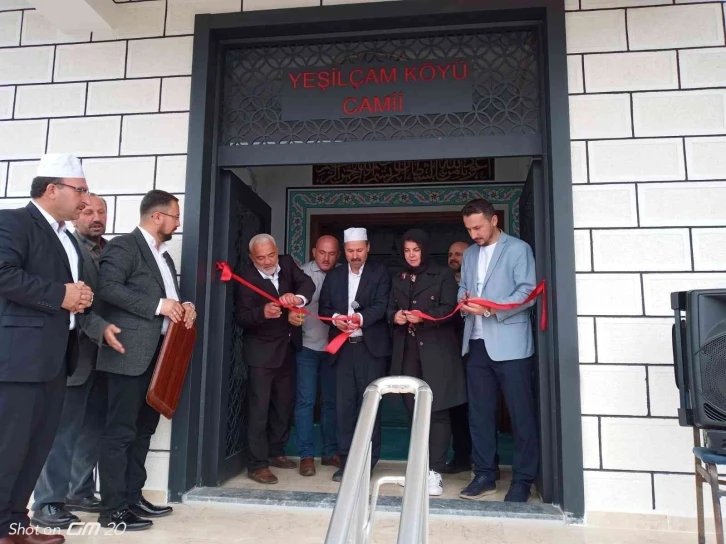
138, 285
269, 346
66, 482
41, 293
361, 289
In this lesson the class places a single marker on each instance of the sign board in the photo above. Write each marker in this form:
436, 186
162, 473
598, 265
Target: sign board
414, 87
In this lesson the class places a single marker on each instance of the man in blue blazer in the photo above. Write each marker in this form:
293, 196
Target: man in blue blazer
499, 268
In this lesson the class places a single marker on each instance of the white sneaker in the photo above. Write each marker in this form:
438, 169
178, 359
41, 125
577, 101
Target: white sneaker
436, 487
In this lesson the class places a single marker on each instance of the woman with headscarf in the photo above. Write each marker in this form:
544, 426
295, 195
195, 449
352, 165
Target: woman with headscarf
428, 350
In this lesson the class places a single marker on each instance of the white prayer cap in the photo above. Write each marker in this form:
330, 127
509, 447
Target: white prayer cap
60, 165
355, 235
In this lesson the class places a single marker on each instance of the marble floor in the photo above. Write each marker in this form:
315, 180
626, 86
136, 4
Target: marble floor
206, 524
290, 480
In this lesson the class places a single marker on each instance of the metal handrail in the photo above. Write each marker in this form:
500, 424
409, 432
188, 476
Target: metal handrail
354, 513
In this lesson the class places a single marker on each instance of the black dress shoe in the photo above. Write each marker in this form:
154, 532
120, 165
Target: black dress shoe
146, 509
87, 504
54, 516
124, 520
456, 467
338, 476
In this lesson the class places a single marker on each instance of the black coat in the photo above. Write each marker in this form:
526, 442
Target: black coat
372, 297
266, 340
434, 293
33, 270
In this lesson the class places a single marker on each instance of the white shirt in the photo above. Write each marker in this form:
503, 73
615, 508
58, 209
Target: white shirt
353, 283
62, 233
275, 279
485, 258
166, 275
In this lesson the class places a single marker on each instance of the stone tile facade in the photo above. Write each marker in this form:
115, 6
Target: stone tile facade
647, 80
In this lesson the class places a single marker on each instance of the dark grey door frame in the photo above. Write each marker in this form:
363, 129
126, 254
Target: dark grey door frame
563, 460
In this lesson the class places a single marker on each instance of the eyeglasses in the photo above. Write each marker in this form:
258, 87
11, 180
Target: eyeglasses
177, 217
80, 190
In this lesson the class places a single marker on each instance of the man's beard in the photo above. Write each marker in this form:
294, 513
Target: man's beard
165, 237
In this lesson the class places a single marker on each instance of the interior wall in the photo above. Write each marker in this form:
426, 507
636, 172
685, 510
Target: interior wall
272, 183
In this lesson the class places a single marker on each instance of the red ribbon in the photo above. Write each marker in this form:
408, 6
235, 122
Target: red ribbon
332, 347
337, 342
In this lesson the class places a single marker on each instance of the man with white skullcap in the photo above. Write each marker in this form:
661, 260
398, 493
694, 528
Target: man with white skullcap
360, 289
41, 295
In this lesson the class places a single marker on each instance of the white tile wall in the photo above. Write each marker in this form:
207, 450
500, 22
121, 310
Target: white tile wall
161, 57
675, 495
171, 173
703, 67
631, 71
603, 4
133, 175
586, 339
38, 31
129, 96
10, 28
641, 250
609, 294
613, 390
709, 249
646, 444
90, 61
600, 116
599, 31
22, 139
175, 92
135, 20
706, 157
662, 391
657, 288
155, 134
695, 204
579, 162
3, 177
26, 65
583, 251
604, 206
85, 137
590, 443
575, 77
672, 27
634, 340
7, 98
679, 113
658, 159
57, 100
605, 491
20, 176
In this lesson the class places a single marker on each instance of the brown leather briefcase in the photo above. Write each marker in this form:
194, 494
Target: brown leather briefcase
171, 369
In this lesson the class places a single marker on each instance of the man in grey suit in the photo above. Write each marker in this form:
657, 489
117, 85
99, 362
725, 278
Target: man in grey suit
66, 482
499, 268
138, 285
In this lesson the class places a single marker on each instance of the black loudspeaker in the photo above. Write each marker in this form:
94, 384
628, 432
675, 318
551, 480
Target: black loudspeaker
699, 353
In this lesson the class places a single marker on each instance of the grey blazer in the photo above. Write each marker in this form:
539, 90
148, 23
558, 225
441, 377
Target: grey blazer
131, 285
91, 324
509, 278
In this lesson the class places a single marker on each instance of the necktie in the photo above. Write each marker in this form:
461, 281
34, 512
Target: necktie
170, 264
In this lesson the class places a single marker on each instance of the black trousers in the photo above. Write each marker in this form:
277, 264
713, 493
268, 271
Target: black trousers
68, 471
484, 377
355, 369
130, 424
440, 431
271, 405
29, 417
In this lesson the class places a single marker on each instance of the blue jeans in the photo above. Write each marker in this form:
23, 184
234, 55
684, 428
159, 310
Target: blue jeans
310, 364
